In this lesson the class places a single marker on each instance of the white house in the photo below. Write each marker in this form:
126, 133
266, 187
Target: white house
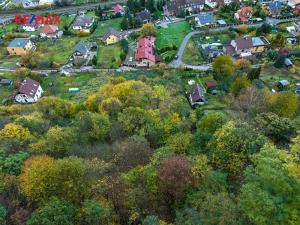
83, 23
29, 92
28, 28
211, 3
293, 3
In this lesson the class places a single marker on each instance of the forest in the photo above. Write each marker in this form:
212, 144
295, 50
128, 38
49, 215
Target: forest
135, 152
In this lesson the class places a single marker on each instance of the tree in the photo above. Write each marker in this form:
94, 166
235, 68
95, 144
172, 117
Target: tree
111, 107
280, 130
222, 66
240, 84
188, 216
285, 104
151, 6
11, 164
148, 30
14, 137
31, 59
92, 213
34, 122
212, 121
3, 213
279, 63
270, 195
180, 143
175, 176
124, 24
44, 177
278, 41
54, 212
232, 145
57, 142
254, 73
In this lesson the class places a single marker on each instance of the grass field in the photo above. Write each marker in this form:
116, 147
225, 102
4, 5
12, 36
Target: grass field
173, 35
109, 56
192, 55
104, 25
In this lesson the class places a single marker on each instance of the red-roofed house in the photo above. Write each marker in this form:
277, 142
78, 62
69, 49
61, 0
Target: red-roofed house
244, 14
29, 92
50, 31
118, 9
144, 55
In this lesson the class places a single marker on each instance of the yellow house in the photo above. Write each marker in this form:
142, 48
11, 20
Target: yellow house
20, 46
111, 36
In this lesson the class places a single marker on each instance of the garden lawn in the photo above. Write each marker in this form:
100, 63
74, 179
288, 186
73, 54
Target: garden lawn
57, 50
104, 25
66, 20
109, 56
173, 35
192, 55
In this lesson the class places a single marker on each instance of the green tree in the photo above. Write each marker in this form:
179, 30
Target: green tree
92, 213
3, 213
286, 104
180, 143
280, 130
270, 195
11, 164
222, 66
212, 121
54, 212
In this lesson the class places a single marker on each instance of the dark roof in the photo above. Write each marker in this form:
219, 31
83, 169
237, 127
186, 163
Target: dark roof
177, 5
244, 43
206, 18
18, 43
5, 81
111, 31
29, 87
197, 94
275, 7
83, 20
211, 49
144, 15
82, 47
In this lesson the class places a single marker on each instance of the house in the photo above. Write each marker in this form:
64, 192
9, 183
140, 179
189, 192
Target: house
211, 85
211, 51
6, 82
35, 3
144, 55
83, 23
244, 14
211, 3
118, 10
81, 52
28, 27
246, 46
225, 2
297, 9
144, 16
111, 36
196, 96
204, 19
50, 31
180, 7
283, 84
274, 7
293, 3
221, 23
29, 91
288, 63
20, 46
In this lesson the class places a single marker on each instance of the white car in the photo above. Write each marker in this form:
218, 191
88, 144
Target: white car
130, 59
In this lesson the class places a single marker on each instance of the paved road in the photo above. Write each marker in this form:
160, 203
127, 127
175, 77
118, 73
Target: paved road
177, 63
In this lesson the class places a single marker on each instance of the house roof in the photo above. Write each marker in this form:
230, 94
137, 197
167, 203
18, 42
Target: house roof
244, 43
205, 18
211, 83
18, 43
197, 94
29, 87
244, 13
118, 8
110, 32
49, 29
81, 21
275, 6
283, 82
82, 47
5, 81
143, 15
145, 49
288, 62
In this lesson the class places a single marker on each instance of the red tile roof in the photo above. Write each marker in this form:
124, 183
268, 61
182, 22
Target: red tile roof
49, 29
245, 13
29, 87
118, 8
145, 49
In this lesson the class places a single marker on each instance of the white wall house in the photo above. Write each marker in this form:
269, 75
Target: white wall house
29, 92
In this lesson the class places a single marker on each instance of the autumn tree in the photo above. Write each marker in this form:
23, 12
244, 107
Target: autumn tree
240, 84
175, 176
44, 177
148, 30
286, 104
93, 213
222, 66
232, 145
